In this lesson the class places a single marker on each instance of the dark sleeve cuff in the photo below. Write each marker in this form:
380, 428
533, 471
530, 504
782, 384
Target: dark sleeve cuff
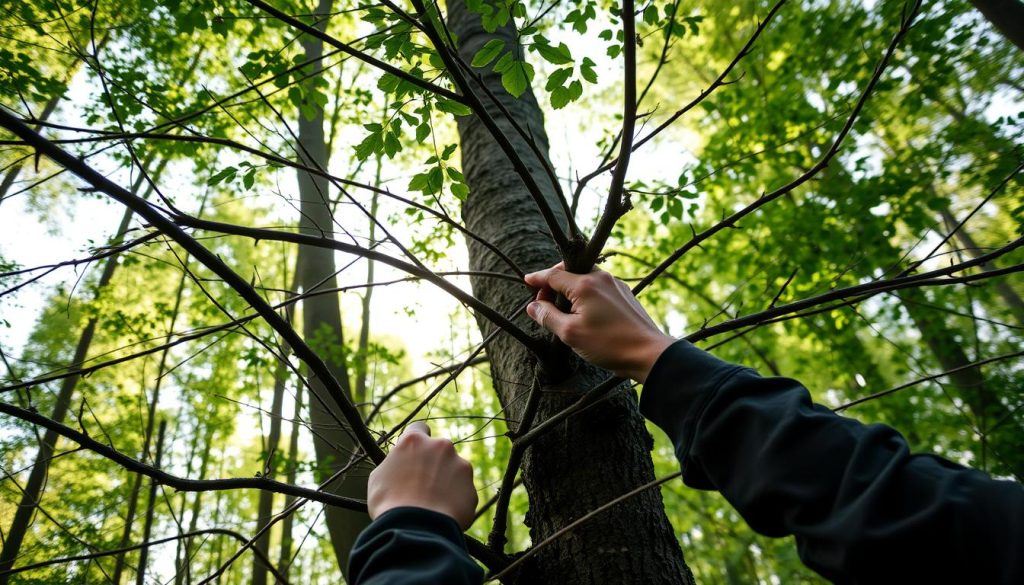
412, 546
679, 387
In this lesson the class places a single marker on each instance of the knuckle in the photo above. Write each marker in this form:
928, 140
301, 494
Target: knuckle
411, 440
442, 445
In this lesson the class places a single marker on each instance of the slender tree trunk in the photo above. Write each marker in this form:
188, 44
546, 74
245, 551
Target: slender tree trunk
285, 558
982, 400
147, 437
321, 322
266, 503
12, 173
607, 448
182, 551
363, 348
140, 576
51, 106
1013, 300
34, 488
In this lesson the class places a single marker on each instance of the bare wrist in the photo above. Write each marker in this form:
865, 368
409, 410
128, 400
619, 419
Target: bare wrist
648, 355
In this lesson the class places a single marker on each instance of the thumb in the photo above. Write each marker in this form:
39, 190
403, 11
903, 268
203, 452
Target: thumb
548, 316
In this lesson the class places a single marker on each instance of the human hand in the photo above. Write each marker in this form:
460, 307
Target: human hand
423, 472
605, 325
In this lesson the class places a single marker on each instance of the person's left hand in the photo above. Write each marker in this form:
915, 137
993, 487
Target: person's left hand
423, 472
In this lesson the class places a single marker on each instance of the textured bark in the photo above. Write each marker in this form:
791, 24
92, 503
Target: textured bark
1007, 16
321, 323
597, 455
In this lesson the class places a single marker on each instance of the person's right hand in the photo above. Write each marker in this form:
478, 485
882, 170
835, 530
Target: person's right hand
605, 325
423, 472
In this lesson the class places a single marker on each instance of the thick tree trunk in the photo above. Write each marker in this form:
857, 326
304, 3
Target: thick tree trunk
1007, 16
321, 322
595, 456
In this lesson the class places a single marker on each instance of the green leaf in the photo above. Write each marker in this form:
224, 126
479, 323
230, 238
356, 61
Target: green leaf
558, 78
226, 173
422, 131
392, 145
575, 90
248, 179
587, 70
506, 62
434, 180
560, 97
418, 182
489, 52
460, 190
455, 175
453, 107
517, 79
559, 55
651, 14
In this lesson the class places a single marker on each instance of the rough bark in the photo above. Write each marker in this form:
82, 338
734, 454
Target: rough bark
321, 322
595, 456
1007, 16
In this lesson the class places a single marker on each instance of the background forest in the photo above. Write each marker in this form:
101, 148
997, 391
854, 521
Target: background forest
243, 242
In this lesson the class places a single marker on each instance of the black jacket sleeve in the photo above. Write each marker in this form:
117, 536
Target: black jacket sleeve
412, 546
862, 508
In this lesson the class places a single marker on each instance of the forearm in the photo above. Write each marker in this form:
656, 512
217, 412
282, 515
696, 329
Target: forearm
862, 507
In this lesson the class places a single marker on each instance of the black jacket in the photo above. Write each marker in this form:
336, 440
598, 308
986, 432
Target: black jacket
862, 508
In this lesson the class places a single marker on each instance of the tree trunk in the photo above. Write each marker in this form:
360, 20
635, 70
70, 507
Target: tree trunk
321, 322
1013, 301
34, 488
183, 552
266, 503
1007, 16
982, 401
147, 437
147, 529
605, 449
284, 560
